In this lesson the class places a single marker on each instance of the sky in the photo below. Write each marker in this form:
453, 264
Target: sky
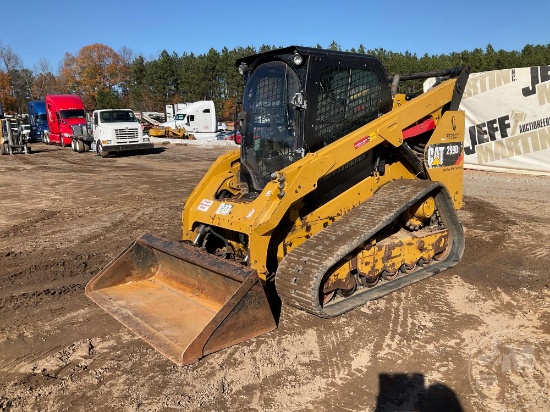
41, 30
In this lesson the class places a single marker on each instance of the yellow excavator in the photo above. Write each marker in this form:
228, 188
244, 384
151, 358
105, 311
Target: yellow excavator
343, 190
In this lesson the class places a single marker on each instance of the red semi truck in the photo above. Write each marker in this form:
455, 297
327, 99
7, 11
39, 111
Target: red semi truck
66, 120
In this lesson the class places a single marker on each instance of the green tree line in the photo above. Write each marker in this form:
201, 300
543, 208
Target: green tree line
105, 78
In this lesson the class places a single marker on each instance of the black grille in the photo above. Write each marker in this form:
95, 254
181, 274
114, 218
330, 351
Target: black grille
348, 99
79, 129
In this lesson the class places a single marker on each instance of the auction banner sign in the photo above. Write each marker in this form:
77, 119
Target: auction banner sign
508, 119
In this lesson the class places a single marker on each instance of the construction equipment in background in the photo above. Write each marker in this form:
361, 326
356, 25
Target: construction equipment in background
150, 119
11, 139
166, 131
158, 130
340, 194
153, 118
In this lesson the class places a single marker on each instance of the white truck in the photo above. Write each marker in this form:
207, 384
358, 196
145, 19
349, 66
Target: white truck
117, 130
197, 118
173, 109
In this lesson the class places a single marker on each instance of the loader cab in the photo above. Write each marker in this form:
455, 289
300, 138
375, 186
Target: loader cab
297, 100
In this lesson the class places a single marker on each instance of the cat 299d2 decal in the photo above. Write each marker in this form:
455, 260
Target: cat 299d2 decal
443, 155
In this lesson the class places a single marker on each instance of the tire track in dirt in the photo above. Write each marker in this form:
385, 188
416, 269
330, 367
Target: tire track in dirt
399, 322
24, 352
37, 270
30, 224
14, 302
14, 365
45, 307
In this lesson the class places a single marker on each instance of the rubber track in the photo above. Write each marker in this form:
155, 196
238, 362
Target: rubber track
300, 273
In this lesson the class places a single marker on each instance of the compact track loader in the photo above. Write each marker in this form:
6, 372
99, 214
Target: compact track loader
342, 191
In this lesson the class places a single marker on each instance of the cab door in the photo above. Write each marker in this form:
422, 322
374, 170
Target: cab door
95, 126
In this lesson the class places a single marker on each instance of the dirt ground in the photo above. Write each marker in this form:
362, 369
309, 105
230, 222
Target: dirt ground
476, 337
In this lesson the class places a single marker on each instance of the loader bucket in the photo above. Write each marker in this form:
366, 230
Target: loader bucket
182, 301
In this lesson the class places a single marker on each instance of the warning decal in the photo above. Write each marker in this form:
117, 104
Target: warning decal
205, 205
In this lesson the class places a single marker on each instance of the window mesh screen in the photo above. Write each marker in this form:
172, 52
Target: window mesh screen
268, 94
348, 99
267, 102
270, 139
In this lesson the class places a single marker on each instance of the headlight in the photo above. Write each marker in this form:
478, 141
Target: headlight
106, 141
243, 68
67, 135
145, 139
298, 59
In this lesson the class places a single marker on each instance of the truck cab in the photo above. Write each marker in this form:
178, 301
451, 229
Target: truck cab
38, 120
66, 115
198, 117
117, 130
